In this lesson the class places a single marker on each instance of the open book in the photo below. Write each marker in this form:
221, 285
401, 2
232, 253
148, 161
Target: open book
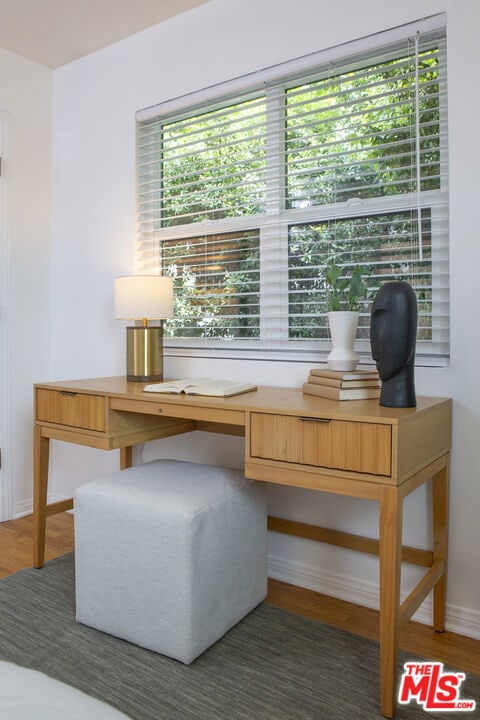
201, 386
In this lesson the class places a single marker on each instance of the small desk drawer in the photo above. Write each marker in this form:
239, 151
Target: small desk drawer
343, 445
71, 408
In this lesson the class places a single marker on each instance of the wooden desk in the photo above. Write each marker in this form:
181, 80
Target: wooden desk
357, 449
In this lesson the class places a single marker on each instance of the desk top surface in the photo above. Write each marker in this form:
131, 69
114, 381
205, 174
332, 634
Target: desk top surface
266, 398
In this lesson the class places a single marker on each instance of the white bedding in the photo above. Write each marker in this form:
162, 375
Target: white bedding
29, 695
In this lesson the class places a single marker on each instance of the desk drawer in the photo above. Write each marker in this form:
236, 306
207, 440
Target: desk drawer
71, 408
337, 444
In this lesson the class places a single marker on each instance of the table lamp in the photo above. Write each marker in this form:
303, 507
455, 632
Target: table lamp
144, 297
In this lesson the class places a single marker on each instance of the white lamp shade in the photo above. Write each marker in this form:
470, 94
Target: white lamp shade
143, 296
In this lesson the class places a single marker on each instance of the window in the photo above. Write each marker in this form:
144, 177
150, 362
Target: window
246, 192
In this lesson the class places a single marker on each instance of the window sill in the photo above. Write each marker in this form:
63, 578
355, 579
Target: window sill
294, 355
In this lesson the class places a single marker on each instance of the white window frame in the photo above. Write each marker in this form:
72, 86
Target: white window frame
274, 223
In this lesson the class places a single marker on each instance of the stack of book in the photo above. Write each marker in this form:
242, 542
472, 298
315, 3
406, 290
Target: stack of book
337, 385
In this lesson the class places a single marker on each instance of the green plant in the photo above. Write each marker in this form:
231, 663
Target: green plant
344, 292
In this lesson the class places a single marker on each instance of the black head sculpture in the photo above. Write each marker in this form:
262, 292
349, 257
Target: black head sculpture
393, 334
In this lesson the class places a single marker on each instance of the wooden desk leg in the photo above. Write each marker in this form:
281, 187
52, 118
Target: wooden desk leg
440, 483
126, 457
391, 506
41, 447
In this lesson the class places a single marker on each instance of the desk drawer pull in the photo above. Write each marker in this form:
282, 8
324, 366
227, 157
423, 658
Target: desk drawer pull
68, 392
317, 420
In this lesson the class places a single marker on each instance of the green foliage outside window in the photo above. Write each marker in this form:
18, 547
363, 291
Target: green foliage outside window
214, 165
367, 149
382, 244
216, 285
347, 138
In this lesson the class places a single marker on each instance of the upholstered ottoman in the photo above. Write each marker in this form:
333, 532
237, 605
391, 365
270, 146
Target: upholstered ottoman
170, 555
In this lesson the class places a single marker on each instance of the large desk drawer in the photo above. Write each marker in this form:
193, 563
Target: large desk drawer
344, 445
75, 409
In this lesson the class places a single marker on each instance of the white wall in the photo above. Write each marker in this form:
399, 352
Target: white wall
25, 110
95, 100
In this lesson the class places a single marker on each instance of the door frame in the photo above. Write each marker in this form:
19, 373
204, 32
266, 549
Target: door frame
6, 490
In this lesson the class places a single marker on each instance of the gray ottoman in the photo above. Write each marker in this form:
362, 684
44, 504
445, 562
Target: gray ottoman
170, 555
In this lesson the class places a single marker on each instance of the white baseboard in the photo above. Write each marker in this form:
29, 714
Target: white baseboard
20, 509
462, 621
25, 507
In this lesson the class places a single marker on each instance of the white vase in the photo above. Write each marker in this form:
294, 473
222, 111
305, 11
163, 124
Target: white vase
343, 328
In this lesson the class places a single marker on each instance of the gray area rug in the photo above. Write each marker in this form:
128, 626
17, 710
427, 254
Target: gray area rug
272, 666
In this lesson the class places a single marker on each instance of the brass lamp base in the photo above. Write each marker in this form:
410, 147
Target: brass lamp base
144, 353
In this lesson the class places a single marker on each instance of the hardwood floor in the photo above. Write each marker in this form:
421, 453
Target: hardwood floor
455, 650
16, 541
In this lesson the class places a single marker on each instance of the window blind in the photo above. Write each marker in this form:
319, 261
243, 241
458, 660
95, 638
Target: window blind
247, 196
